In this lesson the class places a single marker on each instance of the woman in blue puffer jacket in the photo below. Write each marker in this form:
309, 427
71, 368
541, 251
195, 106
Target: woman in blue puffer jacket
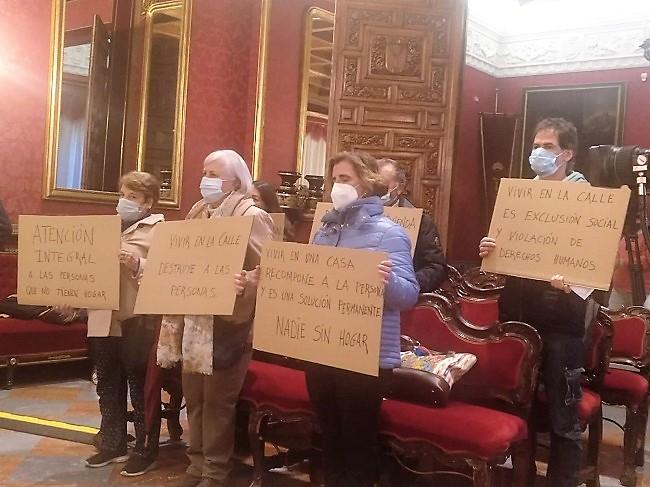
348, 403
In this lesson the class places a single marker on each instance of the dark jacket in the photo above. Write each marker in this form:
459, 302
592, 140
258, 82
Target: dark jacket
5, 226
428, 260
548, 310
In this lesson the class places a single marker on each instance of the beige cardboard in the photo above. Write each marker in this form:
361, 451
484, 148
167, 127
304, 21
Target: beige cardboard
69, 260
278, 226
191, 267
320, 304
543, 228
408, 218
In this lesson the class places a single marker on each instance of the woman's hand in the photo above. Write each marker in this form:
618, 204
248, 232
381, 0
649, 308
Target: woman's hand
129, 260
557, 281
487, 245
246, 278
384, 268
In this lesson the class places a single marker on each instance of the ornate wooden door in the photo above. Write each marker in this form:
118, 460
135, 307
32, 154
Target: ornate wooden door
396, 83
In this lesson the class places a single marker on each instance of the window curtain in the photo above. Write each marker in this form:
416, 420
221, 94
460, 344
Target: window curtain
69, 167
315, 149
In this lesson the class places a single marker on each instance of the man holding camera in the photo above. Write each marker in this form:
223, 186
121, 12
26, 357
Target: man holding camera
556, 312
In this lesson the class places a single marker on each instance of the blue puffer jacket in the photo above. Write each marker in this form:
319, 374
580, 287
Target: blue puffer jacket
362, 225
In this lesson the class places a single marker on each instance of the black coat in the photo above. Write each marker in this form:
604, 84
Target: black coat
548, 310
5, 226
429, 260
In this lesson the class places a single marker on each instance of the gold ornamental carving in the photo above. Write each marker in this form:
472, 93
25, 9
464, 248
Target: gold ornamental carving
396, 56
436, 25
434, 93
352, 140
353, 89
357, 17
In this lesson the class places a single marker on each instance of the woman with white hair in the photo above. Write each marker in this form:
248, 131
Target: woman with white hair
215, 350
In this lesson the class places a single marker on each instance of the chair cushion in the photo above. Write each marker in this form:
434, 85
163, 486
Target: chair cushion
457, 429
483, 313
276, 386
22, 337
587, 407
625, 385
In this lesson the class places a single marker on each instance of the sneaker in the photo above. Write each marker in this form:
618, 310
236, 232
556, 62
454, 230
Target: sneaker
137, 465
104, 458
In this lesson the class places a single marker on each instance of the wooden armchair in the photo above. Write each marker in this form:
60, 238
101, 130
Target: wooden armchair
477, 295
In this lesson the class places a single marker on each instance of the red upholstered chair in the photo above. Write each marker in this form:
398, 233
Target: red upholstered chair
485, 420
477, 295
629, 388
274, 393
31, 342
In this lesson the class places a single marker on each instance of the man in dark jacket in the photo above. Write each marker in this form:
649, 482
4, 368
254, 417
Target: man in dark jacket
557, 312
5, 226
428, 260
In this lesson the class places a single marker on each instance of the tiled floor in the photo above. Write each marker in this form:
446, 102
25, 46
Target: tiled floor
29, 460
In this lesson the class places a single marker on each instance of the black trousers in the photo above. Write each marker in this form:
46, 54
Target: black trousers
347, 405
121, 363
562, 361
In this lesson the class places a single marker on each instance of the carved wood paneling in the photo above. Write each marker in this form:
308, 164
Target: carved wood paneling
396, 70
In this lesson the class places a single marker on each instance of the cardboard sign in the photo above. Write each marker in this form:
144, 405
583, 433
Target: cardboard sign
278, 226
543, 228
191, 265
408, 218
69, 260
320, 304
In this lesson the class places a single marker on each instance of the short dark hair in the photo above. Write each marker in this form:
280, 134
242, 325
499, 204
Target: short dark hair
400, 172
368, 171
567, 134
268, 195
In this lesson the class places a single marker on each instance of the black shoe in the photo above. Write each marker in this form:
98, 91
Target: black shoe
137, 465
104, 458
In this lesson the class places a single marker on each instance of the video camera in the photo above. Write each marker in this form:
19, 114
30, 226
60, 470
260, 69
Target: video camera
613, 167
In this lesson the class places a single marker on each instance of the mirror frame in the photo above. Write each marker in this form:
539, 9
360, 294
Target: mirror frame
311, 13
148, 11
55, 80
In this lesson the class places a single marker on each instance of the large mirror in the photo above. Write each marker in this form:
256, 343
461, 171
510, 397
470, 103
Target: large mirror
315, 93
162, 113
98, 48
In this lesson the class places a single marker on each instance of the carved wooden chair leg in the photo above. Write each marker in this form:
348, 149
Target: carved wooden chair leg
521, 457
593, 449
483, 473
630, 439
256, 442
642, 426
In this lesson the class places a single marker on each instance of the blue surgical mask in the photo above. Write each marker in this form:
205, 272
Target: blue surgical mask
542, 161
129, 211
211, 189
388, 196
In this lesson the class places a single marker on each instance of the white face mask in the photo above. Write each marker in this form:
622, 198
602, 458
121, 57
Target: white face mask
343, 194
211, 189
388, 196
129, 211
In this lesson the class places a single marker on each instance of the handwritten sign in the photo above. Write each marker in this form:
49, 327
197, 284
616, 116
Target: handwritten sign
191, 265
408, 218
320, 304
543, 228
278, 226
69, 260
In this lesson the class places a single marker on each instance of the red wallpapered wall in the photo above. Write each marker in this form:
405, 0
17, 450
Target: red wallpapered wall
283, 84
221, 108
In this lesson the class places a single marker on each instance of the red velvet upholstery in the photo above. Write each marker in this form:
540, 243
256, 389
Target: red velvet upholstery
627, 384
498, 365
457, 429
479, 312
276, 386
8, 274
22, 337
587, 407
629, 337
592, 354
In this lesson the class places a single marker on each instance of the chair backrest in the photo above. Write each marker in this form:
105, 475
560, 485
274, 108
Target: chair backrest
477, 294
8, 273
631, 342
507, 354
598, 351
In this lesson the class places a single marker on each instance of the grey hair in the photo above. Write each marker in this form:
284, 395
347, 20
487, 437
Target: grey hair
235, 167
400, 173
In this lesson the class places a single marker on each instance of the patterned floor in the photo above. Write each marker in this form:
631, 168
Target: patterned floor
30, 460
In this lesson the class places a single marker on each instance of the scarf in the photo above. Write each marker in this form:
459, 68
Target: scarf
189, 338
